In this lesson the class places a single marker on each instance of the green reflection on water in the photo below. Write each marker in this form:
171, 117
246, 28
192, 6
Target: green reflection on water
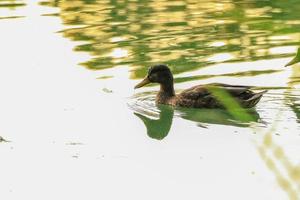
286, 173
236, 74
160, 127
11, 4
183, 34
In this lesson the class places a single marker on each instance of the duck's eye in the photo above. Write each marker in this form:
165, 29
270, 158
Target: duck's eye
153, 77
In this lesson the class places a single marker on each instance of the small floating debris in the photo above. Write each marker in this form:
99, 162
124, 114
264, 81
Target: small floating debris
69, 109
107, 90
75, 156
105, 77
3, 140
74, 143
51, 15
12, 17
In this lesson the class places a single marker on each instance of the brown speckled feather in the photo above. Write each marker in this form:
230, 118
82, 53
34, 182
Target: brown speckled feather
201, 97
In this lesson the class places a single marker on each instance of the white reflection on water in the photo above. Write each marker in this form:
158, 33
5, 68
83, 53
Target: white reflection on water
119, 53
217, 44
220, 57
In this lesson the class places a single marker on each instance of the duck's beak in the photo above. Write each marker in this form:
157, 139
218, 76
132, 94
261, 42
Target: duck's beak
142, 83
294, 61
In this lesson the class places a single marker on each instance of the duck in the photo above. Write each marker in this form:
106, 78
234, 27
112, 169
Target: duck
199, 96
295, 60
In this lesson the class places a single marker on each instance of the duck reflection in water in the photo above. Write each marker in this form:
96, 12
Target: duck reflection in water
160, 127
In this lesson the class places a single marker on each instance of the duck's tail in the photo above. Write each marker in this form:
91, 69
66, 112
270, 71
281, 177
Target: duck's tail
252, 101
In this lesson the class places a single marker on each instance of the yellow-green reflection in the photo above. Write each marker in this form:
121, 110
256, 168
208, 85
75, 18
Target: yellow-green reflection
158, 128
287, 174
11, 4
189, 33
9, 9
291, 94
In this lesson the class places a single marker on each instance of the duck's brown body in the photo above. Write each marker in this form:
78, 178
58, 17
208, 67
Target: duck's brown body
201, 96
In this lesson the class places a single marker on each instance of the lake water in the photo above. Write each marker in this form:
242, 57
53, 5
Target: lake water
78, 130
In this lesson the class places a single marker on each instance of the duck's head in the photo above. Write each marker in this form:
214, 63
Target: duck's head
157, 74
295, 60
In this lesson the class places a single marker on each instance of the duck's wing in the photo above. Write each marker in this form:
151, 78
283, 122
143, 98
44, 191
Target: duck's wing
197, 97
194, 92
204, 90
239, 91
202, 95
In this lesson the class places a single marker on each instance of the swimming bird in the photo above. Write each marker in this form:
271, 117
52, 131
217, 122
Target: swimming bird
200, 96
295, 60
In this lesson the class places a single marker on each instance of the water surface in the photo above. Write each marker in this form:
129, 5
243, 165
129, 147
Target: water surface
78, 130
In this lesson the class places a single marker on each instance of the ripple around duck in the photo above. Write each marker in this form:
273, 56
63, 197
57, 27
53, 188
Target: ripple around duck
276, 101
281, 107
143, 105
157, 119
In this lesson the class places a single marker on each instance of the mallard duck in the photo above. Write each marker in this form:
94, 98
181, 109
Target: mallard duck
199, 96
295, 60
